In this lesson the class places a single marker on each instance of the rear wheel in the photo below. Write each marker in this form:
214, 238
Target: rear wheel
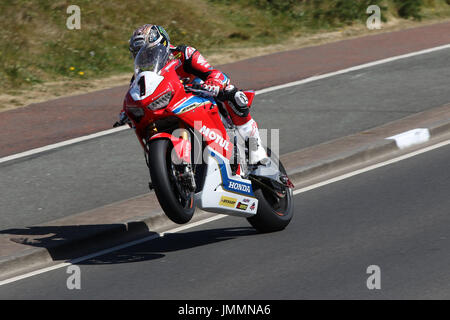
274, 213
175, 198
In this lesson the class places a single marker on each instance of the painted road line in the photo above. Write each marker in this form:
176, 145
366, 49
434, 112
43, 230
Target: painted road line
266, 90
109, 250
62, 144
355, 68
214, 218
372, 167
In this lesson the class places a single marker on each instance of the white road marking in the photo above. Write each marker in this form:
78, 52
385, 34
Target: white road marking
61, 144
355, 68
372, 167
109, 250
266, 90
214, 218
411, 138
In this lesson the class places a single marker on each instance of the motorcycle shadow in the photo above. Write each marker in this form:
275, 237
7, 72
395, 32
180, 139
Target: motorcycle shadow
66, 243
171, 242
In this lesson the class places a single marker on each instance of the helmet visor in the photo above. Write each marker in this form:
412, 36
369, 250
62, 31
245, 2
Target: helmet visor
151, 58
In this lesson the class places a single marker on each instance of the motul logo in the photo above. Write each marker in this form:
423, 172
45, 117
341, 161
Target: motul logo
214, 136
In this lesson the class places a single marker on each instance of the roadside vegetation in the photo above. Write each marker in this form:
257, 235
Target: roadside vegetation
36, 47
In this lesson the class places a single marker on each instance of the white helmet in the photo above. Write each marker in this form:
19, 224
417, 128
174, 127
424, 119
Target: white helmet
148, 34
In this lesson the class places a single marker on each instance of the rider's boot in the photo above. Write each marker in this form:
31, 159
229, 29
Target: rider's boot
259, 162
237, 106
257, 153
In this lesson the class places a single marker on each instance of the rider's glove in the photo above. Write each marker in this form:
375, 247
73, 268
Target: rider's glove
123, 118
214, 86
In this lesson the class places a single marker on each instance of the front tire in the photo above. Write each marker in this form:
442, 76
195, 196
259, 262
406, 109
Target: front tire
177, 203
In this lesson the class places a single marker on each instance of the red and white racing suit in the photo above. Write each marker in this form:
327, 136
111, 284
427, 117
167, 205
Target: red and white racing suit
194, 65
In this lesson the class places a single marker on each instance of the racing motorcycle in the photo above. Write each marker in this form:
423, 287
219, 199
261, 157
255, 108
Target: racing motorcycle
193, 152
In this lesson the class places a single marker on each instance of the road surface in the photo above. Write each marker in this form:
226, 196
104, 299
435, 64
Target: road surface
97, 172
395, 217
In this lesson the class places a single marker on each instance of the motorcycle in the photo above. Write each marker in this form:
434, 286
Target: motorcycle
192, 151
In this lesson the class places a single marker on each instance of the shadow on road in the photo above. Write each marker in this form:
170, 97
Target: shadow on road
170, 243
70, 242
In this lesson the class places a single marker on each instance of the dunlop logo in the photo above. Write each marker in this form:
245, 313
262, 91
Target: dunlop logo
227, 202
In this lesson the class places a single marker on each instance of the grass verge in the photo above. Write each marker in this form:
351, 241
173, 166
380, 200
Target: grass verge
42, 59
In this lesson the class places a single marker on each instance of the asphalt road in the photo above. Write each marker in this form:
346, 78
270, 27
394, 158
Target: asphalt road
112, 168
395, 217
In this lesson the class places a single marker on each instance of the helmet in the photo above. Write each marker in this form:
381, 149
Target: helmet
148, 34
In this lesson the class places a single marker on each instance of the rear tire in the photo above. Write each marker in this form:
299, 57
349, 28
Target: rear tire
178, 206
273, 214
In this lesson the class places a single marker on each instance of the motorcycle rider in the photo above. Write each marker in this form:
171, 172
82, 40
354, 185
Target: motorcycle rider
193, 66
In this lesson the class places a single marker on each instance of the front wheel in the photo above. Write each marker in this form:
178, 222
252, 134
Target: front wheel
274, 213
174, 198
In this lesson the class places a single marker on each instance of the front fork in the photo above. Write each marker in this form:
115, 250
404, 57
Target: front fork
185, 170
182, 169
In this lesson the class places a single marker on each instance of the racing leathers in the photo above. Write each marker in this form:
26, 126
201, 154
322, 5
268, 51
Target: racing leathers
193, 66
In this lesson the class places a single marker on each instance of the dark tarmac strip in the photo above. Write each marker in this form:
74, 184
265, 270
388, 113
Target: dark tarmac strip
395, 217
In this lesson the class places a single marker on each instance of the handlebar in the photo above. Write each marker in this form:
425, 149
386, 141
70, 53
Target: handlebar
197, 89
123, 120
118, 124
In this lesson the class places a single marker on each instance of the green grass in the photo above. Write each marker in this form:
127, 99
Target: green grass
36, 46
